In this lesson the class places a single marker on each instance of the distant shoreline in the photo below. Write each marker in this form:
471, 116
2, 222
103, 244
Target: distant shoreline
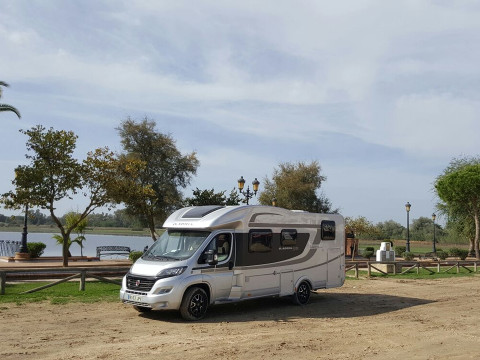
95, 230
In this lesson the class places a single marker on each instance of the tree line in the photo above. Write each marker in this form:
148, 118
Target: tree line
147, 177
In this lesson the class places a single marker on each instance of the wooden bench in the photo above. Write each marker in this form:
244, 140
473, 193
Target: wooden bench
112, 250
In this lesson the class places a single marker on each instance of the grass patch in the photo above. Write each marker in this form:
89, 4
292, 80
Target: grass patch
95, 291
412, 274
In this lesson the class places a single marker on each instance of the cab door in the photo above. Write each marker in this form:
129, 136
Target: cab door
220, 276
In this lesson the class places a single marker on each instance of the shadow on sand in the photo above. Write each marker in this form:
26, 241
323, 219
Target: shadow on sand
325, 305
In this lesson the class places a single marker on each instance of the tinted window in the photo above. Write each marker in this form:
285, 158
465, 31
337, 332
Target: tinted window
288, 237
260, 241
328, 230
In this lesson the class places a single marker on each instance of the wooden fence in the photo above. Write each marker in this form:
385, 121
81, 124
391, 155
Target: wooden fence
78, 272
397, 267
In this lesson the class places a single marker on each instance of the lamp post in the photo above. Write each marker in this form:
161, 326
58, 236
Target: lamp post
248, 194
23, 246
434, 248
407, 207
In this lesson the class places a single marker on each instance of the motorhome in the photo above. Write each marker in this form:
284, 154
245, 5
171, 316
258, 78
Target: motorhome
219, 254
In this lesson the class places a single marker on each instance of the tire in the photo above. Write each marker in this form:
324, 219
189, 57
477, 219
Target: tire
302, 295
194, 304
142, 309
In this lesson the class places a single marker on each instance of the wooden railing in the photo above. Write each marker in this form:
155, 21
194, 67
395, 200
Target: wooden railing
439, 266
78, 272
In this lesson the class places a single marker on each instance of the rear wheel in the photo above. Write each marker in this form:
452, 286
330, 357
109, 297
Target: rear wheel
194, 304
302, 295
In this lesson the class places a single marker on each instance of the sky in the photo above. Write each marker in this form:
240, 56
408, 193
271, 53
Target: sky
383, 94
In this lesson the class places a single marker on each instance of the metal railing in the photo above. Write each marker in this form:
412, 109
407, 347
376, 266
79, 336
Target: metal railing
9, 247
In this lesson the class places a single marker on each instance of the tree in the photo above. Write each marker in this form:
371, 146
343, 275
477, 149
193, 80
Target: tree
422, 230
296, 186
6, 107
459, 190
70, 219
391, 230
210, 197
53, 174
360, 227
151, 173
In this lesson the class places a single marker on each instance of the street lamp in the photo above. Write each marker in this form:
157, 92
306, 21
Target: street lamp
248, 194
434, 241
23, 247
407, 207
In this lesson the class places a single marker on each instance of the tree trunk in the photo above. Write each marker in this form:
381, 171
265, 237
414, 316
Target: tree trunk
151, 227
477, 233
65, 250
471, 247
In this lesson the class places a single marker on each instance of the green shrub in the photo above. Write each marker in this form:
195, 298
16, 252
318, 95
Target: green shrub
462, 254
367, 254
454, 252
369, 248
442, 255
399, 250
408, 256
35, 249
439, 249
134, 255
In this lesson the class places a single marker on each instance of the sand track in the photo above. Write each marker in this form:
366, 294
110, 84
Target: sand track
374, 319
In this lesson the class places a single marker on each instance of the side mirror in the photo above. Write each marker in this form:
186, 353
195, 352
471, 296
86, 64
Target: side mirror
211, 257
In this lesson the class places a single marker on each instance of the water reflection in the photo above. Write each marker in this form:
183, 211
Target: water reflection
89, 245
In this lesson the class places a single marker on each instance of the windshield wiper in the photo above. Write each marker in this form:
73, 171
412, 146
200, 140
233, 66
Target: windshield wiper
156, 257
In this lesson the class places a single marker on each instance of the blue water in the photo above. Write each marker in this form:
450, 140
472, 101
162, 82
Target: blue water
89, 245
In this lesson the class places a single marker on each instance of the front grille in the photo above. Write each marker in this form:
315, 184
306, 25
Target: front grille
140, 283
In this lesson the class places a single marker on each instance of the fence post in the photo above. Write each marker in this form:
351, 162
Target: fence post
438, 267
356, 271
369, 269
3, 280
82, 280
475, 266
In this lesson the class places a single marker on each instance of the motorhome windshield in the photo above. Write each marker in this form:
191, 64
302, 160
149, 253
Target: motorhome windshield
176, 245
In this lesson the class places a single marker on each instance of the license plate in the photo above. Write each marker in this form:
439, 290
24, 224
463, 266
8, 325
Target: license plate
136, 298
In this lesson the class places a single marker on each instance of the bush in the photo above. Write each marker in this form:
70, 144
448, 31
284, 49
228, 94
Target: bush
370, 248
399, 250
408, 256
462, 254
135, 255
454, 252
442, 255
367, 254
35, 249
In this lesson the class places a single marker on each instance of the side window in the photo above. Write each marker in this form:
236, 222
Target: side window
221, 244
224, 242
328, 230
288, 237
260, 241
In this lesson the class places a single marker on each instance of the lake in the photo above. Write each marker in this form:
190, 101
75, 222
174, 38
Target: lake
89, 245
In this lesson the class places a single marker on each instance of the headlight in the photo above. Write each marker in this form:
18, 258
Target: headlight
165, 273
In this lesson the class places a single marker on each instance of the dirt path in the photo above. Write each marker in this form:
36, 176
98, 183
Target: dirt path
365, 319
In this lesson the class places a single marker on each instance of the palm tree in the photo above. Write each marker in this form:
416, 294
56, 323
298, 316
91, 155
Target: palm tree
6, 107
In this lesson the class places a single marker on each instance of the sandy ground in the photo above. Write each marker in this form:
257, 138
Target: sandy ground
374, 319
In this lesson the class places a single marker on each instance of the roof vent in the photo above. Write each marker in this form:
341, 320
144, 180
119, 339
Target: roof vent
200, 211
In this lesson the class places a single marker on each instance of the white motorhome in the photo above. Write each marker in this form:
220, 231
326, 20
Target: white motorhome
214, 254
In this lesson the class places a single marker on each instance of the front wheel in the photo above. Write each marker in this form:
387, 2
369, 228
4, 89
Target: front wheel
302, 295
194, 304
